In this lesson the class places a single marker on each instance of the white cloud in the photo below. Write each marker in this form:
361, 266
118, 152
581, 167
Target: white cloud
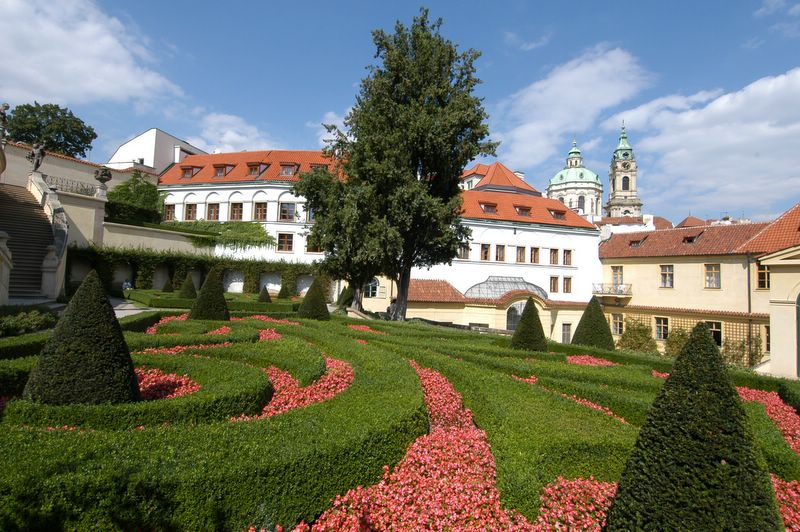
512, 39
753, 43
643, 116
734, 153
228, 133
790, 30
538, 121
328, 118
769, 7
794, 11
70, 51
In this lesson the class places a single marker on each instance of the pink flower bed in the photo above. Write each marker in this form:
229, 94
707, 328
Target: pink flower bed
530, 380
782, 414
266, 319
174, 350
265, 335
364, 328
222, 330
589, 360
788, 495
585, 402
154, 328
659, 375
446, 481
155, 384
575, 504
289, 395
361, 341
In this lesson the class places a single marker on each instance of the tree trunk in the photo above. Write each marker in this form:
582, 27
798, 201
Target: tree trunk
357, 295
401, 305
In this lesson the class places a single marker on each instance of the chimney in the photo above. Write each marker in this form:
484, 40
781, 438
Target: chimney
177, 154
520, 175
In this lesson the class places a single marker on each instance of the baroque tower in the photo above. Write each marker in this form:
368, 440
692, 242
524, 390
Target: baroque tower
623, 199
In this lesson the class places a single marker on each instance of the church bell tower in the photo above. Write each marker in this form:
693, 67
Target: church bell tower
623, 199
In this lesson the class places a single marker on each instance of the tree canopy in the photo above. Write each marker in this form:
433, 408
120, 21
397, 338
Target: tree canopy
137, 191
54, 126
414, 127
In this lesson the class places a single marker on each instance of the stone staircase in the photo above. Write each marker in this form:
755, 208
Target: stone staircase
30, 233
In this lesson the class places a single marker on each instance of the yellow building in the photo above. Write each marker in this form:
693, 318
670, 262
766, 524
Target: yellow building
718, 274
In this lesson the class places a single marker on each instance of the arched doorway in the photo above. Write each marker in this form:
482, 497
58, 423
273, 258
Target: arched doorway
513, 315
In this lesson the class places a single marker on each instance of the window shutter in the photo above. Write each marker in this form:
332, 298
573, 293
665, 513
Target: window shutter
382, 291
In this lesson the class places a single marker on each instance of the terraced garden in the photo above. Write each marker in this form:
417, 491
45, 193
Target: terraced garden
261, 422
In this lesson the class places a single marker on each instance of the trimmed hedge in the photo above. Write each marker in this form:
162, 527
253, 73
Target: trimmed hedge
86, 360
694, 465
210, 303
593, 328
790, 395
314, 306
168, 286
263, 296
187, 288
529, 334
157, 301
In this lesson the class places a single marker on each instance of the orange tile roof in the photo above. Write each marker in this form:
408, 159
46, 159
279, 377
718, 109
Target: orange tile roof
433, 291
505, 206
661, 223
57, 155
781, 234
240, 171
730, 313
498, 176
705, 240
691, 221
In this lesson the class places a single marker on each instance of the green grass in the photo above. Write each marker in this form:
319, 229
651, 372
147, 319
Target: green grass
215, 474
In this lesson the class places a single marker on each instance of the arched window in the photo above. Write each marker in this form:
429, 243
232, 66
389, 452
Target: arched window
581, 203
371, 288
561, 199
570, 203
626, 183
513, 315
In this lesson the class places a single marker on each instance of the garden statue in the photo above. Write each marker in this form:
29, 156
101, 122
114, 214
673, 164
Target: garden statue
103, 175
36, 156
3, 124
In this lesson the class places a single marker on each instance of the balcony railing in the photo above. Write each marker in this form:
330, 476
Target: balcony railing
611, 289
66, 184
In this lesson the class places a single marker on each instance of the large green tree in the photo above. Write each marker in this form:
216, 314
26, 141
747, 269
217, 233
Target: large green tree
415, 125
55, 126
137, 191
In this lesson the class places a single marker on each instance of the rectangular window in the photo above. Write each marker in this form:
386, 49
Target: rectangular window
520, 253
285, 241
567, 285
489, 208
212, 211
616, 275
310, 216
187, 173
553, 256
220, 171
558, 215
236, 210
662, 328
534, 255
667, 276
319, 166
554, 284
288, 169
484, 251
617, 326
500, 253
767, 339
169, 213
312, 249
286, 212
763, 276
713, 276
260, 211
190, 212
252, 170
463, 252
566, 333
523, 211
716, 331
567, 257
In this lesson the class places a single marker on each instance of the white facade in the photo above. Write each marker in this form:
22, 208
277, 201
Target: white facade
581, 245
154, 149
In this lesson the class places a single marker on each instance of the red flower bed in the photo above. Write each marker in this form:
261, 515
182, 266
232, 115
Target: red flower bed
289, 395
155, 384
530, 380
365, 328
154, 328
788, 495
265, 335
445, 482
782, 414
585, 402
222, 330
361, 341
267, 319
659, 375
589, 360
575, 504
174, 350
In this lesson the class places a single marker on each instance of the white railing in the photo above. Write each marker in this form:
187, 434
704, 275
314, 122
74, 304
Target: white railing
611, 289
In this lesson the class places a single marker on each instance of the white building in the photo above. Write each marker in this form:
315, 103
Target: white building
154, 149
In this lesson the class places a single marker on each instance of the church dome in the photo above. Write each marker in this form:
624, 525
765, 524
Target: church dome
574, 171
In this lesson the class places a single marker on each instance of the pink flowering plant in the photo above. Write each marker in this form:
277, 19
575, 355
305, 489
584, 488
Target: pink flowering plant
153, 329
155, 384
589, 360
782, 414
222, 330
364, 328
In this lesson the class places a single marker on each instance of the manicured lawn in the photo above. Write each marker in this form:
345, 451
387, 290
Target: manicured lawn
182, 463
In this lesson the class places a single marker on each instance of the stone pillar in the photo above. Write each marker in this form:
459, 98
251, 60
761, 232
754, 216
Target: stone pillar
5, 268
50, 284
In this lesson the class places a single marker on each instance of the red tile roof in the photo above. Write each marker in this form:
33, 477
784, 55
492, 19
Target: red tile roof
705, 240
433, 291
505, 206
498, 176
666, 310
240, 171
781, 234
57, 155
661, 223
691, 221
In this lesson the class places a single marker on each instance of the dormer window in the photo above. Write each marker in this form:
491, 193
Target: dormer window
558, 215
187, 172
256, 169
636, 243
689, 239
288, 170
221, 170
489, 208
319, 167
523, 211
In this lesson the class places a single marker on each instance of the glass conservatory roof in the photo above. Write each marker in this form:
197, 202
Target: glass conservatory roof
495, 287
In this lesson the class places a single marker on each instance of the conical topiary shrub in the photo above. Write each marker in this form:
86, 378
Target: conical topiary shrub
346, 297
264, 296
168, 286
529, 333
187, 288
694, 465
210, 303
593, 328
86, 360
283, 293
314, 305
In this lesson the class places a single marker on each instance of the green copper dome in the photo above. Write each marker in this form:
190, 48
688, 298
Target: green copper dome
574, 171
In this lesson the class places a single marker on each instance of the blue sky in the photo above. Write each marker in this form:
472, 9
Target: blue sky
710, 90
